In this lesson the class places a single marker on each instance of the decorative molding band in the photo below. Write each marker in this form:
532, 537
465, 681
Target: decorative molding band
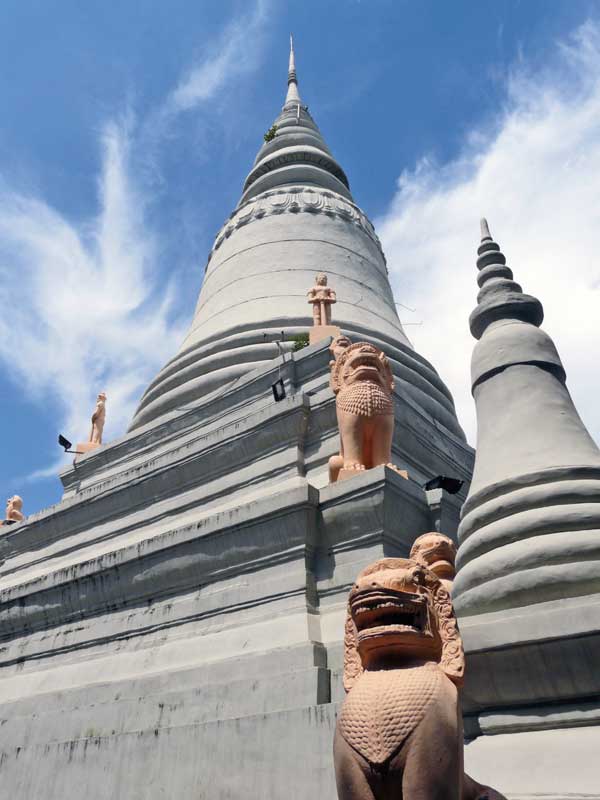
311, 155
296, 201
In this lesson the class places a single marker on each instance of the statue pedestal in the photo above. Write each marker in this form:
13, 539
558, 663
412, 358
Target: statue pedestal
344, 474
85, 447
319, 332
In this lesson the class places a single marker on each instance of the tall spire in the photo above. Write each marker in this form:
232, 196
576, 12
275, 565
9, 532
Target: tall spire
296, 153
292, 91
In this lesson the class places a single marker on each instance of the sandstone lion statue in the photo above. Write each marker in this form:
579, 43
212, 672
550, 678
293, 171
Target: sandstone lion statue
399, 734
362, 381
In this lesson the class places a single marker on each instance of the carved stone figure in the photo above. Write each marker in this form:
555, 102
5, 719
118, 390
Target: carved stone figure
98, 419
339, 345
321, 297
438, 553
362, 381
14, 510
399, 733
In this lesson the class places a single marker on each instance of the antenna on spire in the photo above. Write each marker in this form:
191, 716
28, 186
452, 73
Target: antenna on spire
292, 92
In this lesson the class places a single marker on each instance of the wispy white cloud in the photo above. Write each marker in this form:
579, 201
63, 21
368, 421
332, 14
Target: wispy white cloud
90, 305
535, 173
235, 52
87, 315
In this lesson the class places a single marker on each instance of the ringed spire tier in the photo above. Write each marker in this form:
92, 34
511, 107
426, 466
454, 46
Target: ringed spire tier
296, 217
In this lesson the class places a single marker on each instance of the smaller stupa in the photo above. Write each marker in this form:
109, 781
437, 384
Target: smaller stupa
527, 590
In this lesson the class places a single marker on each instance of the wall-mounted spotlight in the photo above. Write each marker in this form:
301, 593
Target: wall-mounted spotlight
64, 442
278, 390
450, 485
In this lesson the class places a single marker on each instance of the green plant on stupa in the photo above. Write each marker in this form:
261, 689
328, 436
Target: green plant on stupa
270, 134
300, 340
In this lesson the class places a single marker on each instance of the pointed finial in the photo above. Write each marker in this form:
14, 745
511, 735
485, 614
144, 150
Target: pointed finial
292, 66
485, 230
499, 296
292, 92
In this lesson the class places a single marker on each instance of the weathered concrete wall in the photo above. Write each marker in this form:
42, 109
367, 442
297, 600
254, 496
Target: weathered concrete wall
198, 691
285, 754
173, 627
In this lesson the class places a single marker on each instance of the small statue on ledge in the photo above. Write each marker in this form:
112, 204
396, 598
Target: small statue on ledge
14, 510
98, 420
322, 297
362, 381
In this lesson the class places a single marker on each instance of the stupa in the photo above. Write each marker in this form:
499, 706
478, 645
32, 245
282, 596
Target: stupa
527, 591
173, 626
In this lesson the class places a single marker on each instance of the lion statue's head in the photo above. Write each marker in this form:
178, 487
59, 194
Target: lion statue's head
361, 362
338, 346
400, 613
437, 552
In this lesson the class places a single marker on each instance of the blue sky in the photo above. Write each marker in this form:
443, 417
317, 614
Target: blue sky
127, 132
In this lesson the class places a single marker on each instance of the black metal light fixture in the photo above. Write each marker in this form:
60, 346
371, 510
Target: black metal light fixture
278, 390
450, 485
64, 442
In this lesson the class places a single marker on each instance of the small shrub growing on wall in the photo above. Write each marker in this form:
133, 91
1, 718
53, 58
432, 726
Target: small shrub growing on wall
300, 340
270, 134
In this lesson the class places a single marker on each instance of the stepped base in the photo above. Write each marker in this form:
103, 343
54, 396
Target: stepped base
224, 686
283, 754
173, 628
